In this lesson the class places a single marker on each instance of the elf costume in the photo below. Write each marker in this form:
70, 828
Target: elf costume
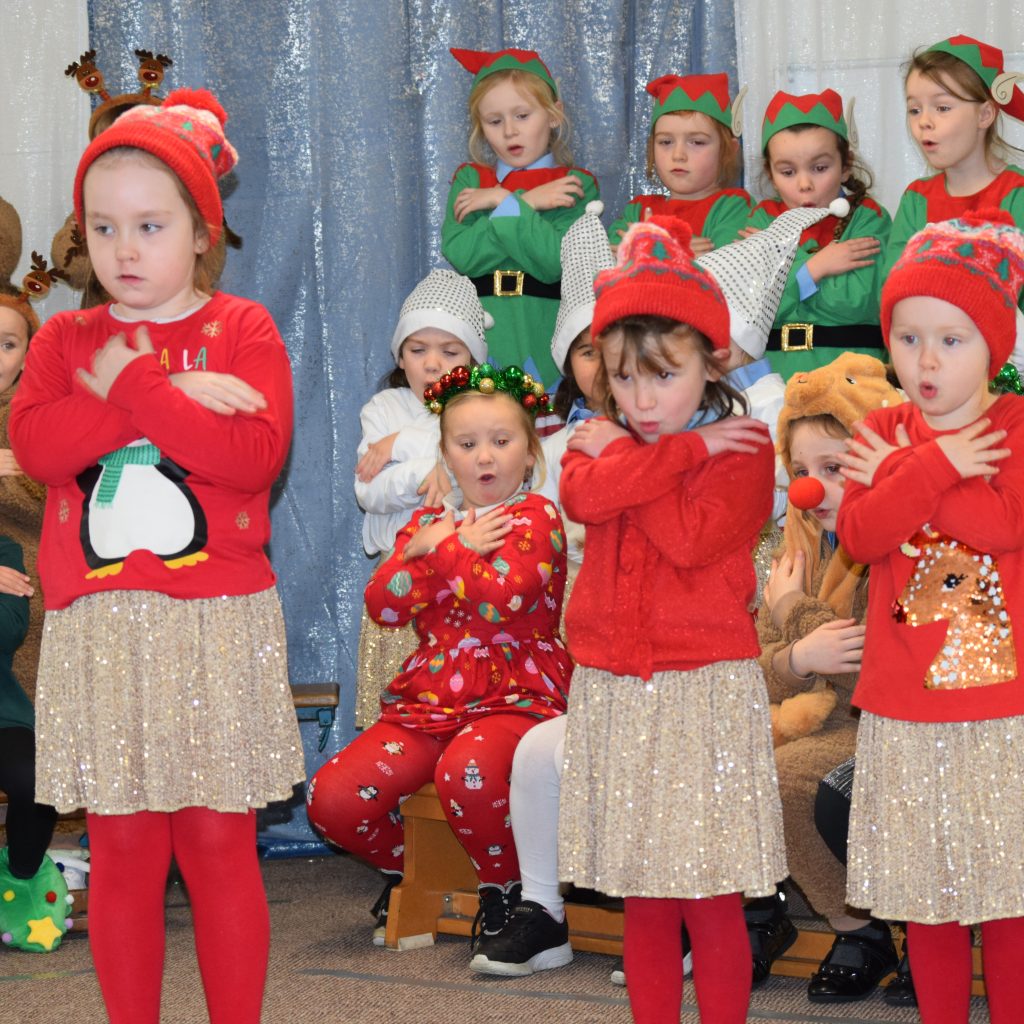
719, 216
512, 253
818, 320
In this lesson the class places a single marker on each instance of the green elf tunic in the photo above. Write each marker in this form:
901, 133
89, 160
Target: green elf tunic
15, 707
844, 300
515, 238
718, 217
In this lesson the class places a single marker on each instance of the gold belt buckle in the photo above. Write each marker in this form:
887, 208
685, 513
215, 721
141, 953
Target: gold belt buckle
499, 283
807, 345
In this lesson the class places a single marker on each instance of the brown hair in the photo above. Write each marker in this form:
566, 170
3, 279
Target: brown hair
728, 148
536, 89
858, 180
206, 267
651, 340
568, 390
959, 79
825, 421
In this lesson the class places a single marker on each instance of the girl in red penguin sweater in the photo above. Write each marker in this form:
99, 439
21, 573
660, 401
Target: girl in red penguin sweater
669, 794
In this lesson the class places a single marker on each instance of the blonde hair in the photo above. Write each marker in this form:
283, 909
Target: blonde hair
728, 150
533, 445
535, 89
205, 270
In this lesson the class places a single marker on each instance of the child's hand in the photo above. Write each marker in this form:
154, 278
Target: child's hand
8, 463
109, 361
222, 393
434, 487
701, 245
734, 434
834, 648
14, 582
469, 200
866, 451
748, 232
377, 456
592, 436
552, 195
485, 533
428, 537
971, 450
840, 257
785, 577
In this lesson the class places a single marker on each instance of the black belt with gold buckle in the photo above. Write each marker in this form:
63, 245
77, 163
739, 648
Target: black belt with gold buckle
807, 337
506, 284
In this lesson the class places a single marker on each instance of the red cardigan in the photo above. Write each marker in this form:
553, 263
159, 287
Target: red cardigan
199, 494
929, 600
667, 581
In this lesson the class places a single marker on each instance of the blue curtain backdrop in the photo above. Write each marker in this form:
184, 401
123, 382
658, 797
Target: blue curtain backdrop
349, 119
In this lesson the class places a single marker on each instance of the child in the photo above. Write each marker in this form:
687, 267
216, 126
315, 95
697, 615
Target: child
831, 300
163, 704
506, 219
484, 587
811, 633
933, 503
440, 326
955, 92
678, 828
693, 148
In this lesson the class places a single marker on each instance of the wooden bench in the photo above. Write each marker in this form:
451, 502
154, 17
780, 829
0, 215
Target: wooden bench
438, 896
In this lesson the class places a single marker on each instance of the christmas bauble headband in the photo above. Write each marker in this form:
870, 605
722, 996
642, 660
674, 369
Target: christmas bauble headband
486, 380
35, 285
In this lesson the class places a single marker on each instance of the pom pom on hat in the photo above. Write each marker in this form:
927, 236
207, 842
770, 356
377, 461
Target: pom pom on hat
976, 263
448, 302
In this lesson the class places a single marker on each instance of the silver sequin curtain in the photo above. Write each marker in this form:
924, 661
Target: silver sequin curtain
349, 119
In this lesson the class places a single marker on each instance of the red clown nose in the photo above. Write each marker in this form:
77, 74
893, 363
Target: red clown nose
806, 492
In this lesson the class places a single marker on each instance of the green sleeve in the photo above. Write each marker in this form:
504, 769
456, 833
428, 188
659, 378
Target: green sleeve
850, 298
911, 215
13, 609
726, 219
530, 242
759, 218
630, 215
1013, 204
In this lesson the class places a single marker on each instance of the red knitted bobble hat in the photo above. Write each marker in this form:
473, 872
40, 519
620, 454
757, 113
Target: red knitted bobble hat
655, 275
187, 134
976, 263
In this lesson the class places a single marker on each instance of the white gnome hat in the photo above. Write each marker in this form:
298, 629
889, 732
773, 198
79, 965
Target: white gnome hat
752, 272
449, 302
585, 252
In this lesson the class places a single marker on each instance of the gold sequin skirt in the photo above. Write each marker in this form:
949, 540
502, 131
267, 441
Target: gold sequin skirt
937, 820
382, 652
669, 787
145, 702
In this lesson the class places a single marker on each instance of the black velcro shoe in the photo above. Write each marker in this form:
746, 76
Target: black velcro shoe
854, 966
771, 934
900, 991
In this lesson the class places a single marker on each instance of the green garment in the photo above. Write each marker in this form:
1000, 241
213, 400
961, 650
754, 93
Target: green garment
15, 707
721, 222
523, 325
850, 298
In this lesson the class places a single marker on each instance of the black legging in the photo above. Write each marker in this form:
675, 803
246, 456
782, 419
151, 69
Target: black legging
29, 825
832, 808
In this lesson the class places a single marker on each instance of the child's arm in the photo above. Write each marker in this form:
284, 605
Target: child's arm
632, 214
397, 486
911, 216
13, 600
530, 241
727, 217
57, 428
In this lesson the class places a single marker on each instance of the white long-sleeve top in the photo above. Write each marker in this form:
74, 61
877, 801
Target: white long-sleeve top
390, 497
554, 447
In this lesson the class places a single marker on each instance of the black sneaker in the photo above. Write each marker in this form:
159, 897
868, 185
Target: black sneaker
531, 941
380, 909
771, 933
495, 911
618, 975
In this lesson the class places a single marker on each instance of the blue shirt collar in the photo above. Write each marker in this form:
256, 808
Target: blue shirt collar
502, 170
747, 376
579, 412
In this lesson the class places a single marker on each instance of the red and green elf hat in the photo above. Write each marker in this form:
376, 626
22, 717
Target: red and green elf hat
483, 63
705, 94
824, 109
987, 63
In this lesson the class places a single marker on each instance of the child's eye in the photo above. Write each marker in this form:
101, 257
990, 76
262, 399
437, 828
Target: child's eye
950, 340
621, 377
148, 229
698, 142
466, 445
913, 111
501, 442
101, 229
908, 339
799, 472
832, 468
944, 108
785, 172
665, 375
822, 168
664, 143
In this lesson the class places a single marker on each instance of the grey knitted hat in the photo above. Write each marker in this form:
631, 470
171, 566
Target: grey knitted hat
447, 301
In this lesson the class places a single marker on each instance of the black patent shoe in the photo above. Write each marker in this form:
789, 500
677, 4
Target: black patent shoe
900, 991
854, 966
769, 939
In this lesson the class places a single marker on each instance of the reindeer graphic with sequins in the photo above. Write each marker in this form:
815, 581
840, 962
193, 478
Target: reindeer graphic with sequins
953, 581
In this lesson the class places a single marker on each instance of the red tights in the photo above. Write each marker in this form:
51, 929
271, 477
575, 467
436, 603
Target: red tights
653, 956
940, 961
216, 854
354, 798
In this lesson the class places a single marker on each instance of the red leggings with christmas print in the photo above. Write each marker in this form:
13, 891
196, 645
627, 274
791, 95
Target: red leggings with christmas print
354, 799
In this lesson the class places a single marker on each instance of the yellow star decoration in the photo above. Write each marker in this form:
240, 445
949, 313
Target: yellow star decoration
212, 328
43, 931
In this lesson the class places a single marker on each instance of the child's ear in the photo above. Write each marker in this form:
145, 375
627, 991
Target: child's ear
202, 243
986, 114
720, 359
556, 121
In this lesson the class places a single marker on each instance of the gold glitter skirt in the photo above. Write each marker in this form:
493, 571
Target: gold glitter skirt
145, 702
382, 652
669, 787
937, 820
